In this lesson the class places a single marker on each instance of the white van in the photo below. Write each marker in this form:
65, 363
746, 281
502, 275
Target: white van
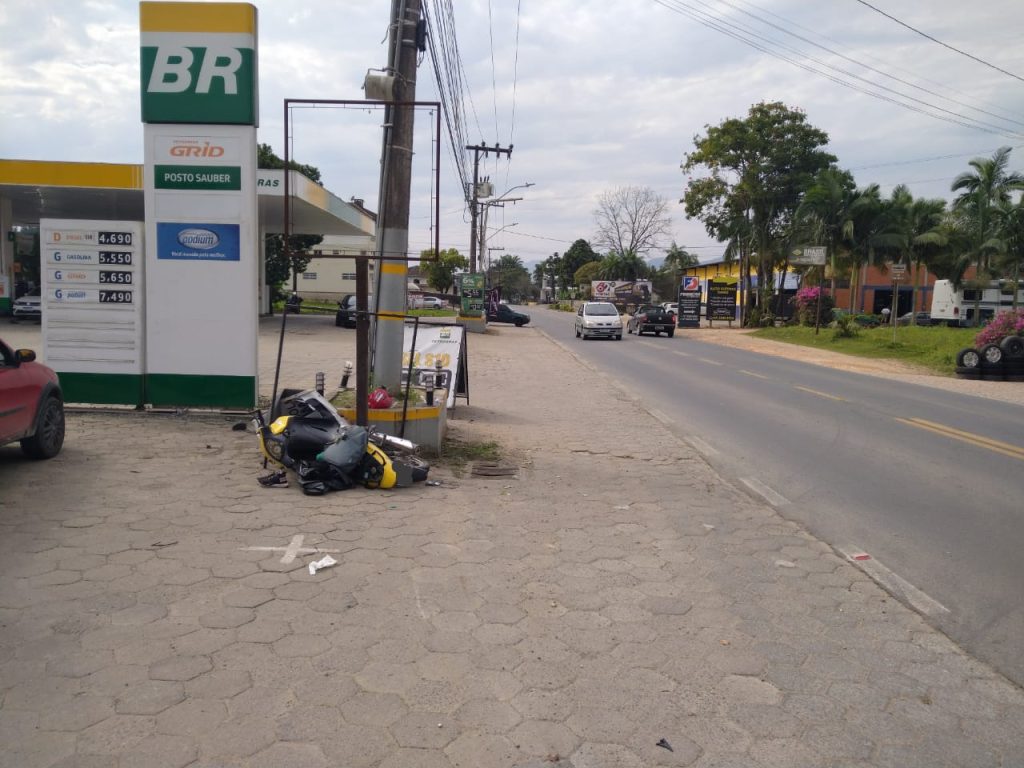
956, 306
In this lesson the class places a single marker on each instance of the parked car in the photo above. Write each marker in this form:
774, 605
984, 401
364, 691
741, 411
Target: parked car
31, 404
651, 318
345, 317
505, 314
598, 319
915, 318
672, 307
28, 307
432, 302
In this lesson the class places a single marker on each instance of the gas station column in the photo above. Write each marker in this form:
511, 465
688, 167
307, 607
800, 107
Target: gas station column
199, 110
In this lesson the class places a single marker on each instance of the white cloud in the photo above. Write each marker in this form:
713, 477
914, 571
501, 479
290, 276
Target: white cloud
605, 94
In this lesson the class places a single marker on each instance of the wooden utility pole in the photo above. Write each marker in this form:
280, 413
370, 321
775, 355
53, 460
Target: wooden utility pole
396, 182
477, 150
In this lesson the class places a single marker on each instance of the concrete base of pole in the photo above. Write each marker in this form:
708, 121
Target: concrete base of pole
474, 324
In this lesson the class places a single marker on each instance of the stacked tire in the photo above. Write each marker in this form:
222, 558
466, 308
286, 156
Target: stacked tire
968, 364
993, 362
1013, 357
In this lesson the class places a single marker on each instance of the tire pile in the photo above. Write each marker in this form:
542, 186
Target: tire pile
993, 362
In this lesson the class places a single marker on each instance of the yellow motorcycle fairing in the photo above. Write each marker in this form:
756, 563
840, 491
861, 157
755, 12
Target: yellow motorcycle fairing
271, 441
387, 470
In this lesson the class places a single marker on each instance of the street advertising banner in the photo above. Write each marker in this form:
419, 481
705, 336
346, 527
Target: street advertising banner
493, 300
688, 315
622, 291
722, 298
435, 343
472, 292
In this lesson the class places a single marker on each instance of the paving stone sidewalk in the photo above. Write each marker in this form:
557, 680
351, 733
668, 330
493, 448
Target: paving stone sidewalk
156, 609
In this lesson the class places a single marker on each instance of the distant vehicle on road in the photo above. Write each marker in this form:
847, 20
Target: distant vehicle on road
914, 318
28, 307
432, 302
505, 314
651, 319
598, 320
345, 317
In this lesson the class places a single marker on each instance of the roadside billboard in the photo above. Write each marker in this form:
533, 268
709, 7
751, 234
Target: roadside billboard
622, 291
722, 298
688, 315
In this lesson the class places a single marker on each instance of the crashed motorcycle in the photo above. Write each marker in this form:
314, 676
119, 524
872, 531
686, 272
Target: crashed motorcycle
306, 434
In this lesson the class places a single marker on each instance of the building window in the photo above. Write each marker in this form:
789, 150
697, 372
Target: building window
309, 275
348, 275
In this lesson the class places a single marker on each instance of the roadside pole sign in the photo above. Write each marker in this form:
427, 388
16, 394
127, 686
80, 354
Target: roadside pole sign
898, 271
722, 298
808, 256
688, 315
199, 112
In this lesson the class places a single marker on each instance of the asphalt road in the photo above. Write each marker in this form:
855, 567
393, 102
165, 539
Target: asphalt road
929, 484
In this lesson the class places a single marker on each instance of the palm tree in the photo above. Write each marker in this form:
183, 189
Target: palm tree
868, 217
623, 266
1009, 241
981, 192
826, 206
910, 228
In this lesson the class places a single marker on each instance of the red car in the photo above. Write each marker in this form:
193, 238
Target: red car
31, 404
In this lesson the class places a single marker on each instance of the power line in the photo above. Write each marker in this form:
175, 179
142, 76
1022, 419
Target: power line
868, 67
926, 159
944, 45
761, 43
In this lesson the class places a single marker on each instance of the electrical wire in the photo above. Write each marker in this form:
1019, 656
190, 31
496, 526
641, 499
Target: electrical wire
867, 66
761, 43
936, 40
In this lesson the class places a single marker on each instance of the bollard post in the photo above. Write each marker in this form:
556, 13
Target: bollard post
347, 373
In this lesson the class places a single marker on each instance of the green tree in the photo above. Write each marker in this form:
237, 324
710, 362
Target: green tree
982, 190
440, 272
281, 262
585, 275
911, 229
667, 277
1009, 241
825, 208
511, 276
758, 169
579, 253
623, 266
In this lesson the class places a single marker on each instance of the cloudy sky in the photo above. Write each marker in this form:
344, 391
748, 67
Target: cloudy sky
593, 95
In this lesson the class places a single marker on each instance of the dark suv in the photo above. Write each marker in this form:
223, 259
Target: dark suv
31, 404
346, 314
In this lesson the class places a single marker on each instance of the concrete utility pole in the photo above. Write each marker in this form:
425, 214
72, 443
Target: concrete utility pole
396, 181
496, 149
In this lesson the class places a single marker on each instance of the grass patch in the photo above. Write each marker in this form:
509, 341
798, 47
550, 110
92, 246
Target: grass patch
933, 347
456, 454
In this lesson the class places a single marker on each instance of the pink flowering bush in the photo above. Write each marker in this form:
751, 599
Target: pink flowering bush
1004, 324
806, 302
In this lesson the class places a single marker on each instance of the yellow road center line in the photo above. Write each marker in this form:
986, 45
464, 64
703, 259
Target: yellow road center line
1013, 451
751, 373
681, 354
710, 362
822, 394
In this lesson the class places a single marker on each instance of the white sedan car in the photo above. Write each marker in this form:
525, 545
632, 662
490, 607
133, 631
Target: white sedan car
598, 320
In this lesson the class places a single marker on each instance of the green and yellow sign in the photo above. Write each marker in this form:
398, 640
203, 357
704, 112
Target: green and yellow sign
198, 63
472, 290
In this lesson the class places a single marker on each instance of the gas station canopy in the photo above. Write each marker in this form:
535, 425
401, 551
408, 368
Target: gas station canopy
41, 189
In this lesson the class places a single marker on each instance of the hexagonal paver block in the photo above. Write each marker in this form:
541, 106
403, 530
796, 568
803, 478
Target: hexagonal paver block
226, 618
488, 716
366, 708
159, 751
537, 738
149, 698
195, 716
424, 730
180, 668
289, 755
301, 646
481, 750
77, 714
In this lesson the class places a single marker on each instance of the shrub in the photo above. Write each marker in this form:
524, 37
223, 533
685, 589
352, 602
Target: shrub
806, 302
844, 326
1004, 324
